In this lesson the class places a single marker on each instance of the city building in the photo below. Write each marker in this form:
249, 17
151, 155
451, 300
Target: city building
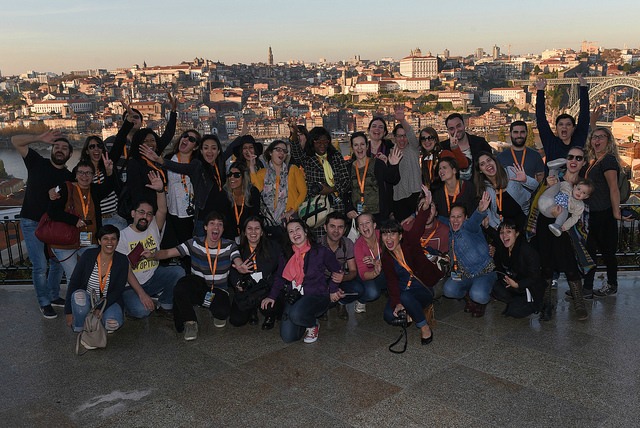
417, 66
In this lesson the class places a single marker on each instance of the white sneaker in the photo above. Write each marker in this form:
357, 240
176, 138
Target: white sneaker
190, 330
311, 334
360, 308
555, 230
219, 323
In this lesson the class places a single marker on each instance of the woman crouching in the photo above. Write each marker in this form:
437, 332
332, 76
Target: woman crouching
308, 292
410, 275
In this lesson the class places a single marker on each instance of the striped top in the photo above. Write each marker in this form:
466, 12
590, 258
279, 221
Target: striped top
195, 248
93, 285
109, 204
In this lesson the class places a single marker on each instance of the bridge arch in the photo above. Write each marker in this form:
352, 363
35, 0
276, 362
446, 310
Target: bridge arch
597, 90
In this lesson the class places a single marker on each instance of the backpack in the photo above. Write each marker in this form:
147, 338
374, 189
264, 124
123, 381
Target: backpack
93, 334
624, 186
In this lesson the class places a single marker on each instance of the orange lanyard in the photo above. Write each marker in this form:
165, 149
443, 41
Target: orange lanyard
238, 215
183, 178
455, 195
275, 199
425, 241
218, 174
402, 262
159, 170
591, 165
515, 161
96, 178
85, 206
253, 258
364, 178
454, 265
215, 263
103, 278
499, 202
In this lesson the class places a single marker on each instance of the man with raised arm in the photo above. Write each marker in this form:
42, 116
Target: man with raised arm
43, 174
470, 145
145, 233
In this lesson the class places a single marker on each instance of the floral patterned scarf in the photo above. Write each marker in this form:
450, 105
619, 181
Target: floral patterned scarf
275, 205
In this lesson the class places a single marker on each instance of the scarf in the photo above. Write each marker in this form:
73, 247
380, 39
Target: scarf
294, 270
326, 166
275, 205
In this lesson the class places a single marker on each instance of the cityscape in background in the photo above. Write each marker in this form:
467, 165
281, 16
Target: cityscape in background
491, 87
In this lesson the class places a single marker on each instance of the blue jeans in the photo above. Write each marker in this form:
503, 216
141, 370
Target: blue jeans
163, 281
69, 258
415, 300
112, 317
373, 288
301, 315
479, 288
116, 221
47, 287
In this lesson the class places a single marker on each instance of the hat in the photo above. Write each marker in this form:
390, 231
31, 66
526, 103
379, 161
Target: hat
246, 139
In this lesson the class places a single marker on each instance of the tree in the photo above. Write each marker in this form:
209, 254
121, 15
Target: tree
502, 134
531, 140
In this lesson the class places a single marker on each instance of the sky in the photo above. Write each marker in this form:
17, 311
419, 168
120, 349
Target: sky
67, 35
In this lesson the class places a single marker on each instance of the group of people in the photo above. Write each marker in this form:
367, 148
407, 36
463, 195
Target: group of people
411, 217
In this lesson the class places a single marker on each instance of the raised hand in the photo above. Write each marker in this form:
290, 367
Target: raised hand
395, 156
399, 113
128, 109
108, 163
541, 84
484, 202
149, 153
293, 128
155, 181
427, 197
521, 176
50, 136
173, 102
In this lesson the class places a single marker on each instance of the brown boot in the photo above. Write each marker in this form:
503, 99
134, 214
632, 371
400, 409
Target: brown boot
578, 301
469, 305
547, 303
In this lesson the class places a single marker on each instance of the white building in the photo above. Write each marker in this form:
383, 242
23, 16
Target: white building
503, 95
416, 65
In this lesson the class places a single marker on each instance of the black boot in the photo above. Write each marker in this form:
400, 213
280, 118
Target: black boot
578, 300
547, 303
253, 317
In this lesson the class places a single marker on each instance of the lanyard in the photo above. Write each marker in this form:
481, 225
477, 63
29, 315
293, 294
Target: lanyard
215, 263
275, 199
591, 165
524, 155
252, 257
456, 192
159, 170
499, 202
402, 262
364, 178
85, 206
98, 177
238, 215
377, 248
218, 174
454, 265
183, 178
425, 241
103, 278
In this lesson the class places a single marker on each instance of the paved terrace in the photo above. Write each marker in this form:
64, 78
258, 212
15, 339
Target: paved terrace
477, 372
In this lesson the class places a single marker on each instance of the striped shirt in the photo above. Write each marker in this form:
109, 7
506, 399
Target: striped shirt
93, 285
109, 204
195, 248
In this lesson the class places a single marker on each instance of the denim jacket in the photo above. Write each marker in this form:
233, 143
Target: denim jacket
470, 246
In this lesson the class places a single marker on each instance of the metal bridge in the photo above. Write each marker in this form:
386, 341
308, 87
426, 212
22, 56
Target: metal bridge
598, 86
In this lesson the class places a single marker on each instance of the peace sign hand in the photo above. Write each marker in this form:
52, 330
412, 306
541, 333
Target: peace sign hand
108, 163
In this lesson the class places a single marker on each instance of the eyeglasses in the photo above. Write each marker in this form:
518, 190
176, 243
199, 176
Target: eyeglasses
191, 138
145, 213
280, 150
401, 135
96, 146
599, 137
86, 173
234, 174
576, 157
428, 137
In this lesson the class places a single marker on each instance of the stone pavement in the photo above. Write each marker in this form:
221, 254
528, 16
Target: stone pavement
492, 371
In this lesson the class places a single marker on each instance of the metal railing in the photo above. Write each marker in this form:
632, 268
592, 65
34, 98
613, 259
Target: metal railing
15, 266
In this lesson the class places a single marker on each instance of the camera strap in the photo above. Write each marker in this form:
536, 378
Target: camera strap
404, 348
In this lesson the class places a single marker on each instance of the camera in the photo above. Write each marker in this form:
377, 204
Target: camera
401, 319
190, 211
292, 296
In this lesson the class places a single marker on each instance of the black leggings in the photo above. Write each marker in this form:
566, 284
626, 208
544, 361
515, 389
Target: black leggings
603, 236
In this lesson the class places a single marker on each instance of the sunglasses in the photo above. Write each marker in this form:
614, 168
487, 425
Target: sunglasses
576, 157
234, 174
96, 146
430, 137
191, 138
